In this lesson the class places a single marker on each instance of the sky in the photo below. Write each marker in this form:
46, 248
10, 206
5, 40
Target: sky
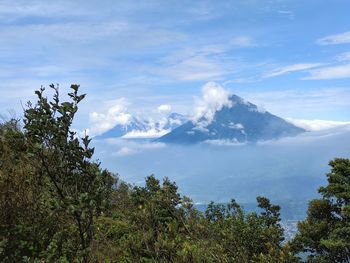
291, 57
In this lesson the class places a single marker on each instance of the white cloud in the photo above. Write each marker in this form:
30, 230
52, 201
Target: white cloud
291, 68
317, 125
287, 13
18, 9
308, 137
141, 124
260, 108
197, 67
151, 133
121, 142
124, 151
341, 38
67, 32
334, 72
164, 108
214, 98
242, 41
303, 103
116, 114
224, 142
131, 147
201, 127
343, 56
196, 63
202, 62
201, 11
236, 126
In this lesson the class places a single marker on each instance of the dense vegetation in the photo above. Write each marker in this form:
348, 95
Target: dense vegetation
58, 205
325, 233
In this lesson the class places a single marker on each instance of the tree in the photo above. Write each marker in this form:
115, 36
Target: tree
66, 191
154, 223
248, 237
325, 234
79, 188
23, 209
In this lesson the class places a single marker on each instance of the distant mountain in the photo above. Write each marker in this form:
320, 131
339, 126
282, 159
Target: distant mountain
174, 120
238, 123
120, 130
141, 128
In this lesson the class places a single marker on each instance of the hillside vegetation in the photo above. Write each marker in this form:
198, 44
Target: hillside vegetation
58, 205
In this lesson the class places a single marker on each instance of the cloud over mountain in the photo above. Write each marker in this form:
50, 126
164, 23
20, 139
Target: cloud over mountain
214, 98
116, 115
220, 115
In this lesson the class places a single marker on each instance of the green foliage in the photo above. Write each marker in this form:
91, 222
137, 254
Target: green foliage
58, 205
51, 191
325, 234
155, 224
23, 204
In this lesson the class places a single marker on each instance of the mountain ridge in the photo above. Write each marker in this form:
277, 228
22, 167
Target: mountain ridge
239, 122
138, 127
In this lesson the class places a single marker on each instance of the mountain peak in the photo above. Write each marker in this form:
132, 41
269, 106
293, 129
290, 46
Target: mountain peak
138, 127
238, 121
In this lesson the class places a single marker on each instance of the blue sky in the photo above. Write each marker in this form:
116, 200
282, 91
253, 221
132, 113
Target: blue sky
291, 57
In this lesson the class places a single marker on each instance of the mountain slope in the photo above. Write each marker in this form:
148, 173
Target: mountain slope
141, 128
120, 130
240, 122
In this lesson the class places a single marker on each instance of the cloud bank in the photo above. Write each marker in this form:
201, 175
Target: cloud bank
333, 72
119, 147
232, 169
343, 56
242, 41
336, 39
291, 68
318, 125
151, 133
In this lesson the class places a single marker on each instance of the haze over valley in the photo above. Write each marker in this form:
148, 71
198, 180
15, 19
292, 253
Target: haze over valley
222, 162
